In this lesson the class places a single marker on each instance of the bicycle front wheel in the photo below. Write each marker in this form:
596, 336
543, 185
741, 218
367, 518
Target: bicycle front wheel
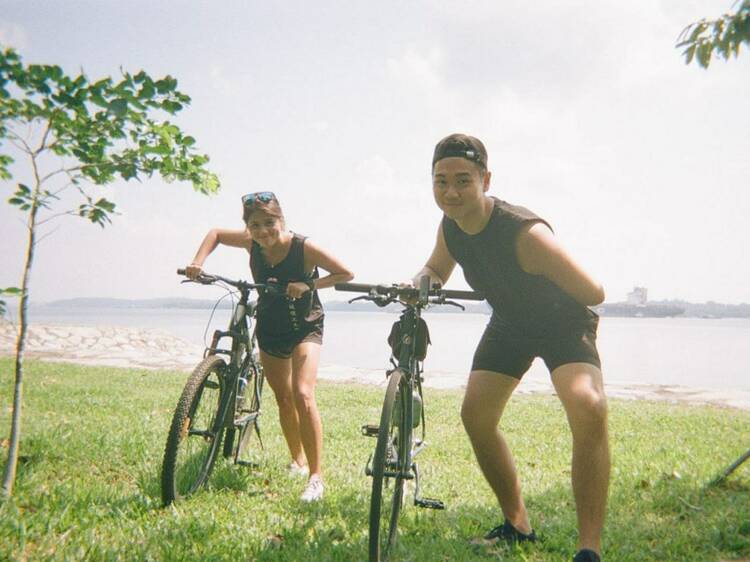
388, 467
195, 433
250, 410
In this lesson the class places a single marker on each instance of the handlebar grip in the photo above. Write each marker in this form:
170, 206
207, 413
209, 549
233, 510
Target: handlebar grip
181, 271
354, 287
463, 295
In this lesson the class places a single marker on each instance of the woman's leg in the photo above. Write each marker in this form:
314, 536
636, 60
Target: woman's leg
278, 373
305, 358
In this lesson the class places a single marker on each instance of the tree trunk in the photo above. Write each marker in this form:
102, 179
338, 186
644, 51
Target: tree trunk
9, 474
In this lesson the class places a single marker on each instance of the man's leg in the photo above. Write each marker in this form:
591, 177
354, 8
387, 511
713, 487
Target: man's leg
487, 393
581, 390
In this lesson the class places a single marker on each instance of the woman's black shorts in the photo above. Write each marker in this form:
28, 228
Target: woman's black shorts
282, 347
503, 351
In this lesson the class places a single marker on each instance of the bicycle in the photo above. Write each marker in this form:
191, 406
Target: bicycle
403, 407
221, 398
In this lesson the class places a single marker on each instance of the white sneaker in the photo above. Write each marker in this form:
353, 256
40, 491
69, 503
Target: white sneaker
314, 490
296, 470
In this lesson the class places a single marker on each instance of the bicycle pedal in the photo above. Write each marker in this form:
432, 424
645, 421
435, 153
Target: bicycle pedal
370, 430
429, 503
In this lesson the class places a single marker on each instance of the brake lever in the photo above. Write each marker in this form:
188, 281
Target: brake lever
452, 303
362, 298
382, 302
442, 300
202, 280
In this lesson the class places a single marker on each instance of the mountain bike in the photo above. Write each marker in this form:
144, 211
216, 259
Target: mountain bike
221, 399
392, 463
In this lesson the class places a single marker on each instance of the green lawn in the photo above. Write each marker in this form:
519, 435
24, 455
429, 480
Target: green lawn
93, 438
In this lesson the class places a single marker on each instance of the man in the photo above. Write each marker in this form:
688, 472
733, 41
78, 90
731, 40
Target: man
540, 298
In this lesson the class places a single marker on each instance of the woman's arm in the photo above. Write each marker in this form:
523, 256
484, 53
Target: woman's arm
540, 254
317, 257
216, 236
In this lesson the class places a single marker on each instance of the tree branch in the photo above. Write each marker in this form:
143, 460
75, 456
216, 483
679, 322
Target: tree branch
43, 146
67, 171
13, 136
50, 233
56, 215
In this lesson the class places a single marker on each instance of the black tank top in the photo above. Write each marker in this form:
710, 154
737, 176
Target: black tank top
279, 316
522, 303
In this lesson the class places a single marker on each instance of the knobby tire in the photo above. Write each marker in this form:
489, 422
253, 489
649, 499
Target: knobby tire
195, 433
383, 525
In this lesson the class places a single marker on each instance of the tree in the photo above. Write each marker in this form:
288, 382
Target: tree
73, 135
724, 35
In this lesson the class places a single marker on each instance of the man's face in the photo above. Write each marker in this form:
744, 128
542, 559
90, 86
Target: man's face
459, 186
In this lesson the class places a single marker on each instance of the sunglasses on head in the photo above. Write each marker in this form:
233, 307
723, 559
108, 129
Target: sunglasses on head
261, 196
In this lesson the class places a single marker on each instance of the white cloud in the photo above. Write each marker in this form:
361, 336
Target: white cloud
417, 67
13, 35
320, 126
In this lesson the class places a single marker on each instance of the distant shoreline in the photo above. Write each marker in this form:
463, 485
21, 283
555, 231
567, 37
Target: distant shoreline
157, 350
652, 309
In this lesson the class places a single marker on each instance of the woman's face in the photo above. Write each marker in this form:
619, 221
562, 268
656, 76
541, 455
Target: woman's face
265, 229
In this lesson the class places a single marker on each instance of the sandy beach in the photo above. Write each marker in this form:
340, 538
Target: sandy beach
158, 350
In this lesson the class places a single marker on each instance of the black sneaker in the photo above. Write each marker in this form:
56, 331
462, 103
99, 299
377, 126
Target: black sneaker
508, 533
586, 555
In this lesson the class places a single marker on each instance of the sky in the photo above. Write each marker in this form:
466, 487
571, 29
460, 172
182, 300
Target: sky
589, 113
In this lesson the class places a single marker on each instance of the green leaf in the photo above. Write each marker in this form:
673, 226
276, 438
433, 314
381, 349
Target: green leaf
690, 53
118, 107
11, 291
147, 91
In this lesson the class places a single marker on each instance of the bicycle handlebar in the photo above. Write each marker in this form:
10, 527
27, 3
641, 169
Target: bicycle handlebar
209, 278
408, 292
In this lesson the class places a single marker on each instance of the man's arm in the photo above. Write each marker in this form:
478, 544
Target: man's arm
440, 264
540, 254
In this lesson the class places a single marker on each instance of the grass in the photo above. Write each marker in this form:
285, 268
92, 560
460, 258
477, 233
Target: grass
93, 438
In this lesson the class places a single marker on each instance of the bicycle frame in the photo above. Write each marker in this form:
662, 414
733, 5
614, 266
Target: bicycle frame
242, 360
410, 382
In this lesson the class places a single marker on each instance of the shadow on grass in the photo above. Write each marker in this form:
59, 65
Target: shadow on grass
225, 476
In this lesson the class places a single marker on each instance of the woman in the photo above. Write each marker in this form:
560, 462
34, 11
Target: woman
290, 326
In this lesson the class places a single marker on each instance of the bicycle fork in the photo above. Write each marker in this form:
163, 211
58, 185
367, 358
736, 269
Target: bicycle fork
370, 430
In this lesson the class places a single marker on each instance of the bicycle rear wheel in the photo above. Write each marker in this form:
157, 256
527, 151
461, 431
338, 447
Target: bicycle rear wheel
195, 433
389, 458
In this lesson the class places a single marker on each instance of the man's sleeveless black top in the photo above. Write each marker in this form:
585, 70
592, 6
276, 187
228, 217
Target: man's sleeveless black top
280, 317
523, 304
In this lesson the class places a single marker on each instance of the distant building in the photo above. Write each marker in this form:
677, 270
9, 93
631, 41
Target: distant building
637, 306
638, 296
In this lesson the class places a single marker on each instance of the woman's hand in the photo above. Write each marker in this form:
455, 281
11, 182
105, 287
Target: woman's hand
296, 289
193, 271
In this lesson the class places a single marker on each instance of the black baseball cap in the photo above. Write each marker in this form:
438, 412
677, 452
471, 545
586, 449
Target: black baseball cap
461, 146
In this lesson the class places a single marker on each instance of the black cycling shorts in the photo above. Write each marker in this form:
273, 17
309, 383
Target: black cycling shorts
282, 347
502, 351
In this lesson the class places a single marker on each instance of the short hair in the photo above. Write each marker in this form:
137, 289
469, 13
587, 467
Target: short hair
461, 146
